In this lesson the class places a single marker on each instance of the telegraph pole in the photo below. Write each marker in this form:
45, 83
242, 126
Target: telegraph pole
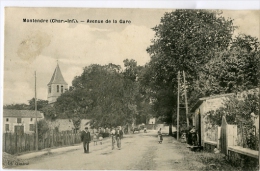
178, 101
36, 126
186, 103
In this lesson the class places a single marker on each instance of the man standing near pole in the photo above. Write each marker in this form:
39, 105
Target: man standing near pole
85, 138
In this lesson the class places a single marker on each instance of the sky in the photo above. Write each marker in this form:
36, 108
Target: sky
30, 47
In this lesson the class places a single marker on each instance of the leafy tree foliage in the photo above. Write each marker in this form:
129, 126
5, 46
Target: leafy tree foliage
233, 70
22, 106
43, 128
40, 104
100, 93
49, 112
185, 40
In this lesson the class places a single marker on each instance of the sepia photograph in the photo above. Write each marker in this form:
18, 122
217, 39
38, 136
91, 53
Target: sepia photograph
130, 89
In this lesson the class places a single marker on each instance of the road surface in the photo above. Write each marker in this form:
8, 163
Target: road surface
140, 151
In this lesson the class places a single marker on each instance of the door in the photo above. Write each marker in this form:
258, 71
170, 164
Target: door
199, 129
19, 129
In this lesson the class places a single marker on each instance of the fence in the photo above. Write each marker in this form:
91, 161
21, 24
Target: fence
19, 143
237, 142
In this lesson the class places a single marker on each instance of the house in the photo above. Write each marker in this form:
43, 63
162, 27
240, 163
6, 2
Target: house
61, 125
67, 124
152, 121
20, 121
206, 104
202, 106
56, 86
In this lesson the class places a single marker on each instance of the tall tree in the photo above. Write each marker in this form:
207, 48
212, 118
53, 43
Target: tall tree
102, 94
232, 70
185, 40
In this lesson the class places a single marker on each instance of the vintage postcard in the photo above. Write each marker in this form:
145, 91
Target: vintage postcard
130, 89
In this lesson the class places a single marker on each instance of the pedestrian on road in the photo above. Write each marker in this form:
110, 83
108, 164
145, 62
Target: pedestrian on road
113, 135
160, 138
100, 138
95, 139
85, 138
119, 136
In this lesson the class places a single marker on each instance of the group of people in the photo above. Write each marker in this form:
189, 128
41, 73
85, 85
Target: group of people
116, 134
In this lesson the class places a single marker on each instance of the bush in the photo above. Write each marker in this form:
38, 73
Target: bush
42, 128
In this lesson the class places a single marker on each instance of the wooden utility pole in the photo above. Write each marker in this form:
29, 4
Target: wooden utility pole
186, 103
36, 125
178, 104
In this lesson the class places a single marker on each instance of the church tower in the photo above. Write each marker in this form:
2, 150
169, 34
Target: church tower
56, 86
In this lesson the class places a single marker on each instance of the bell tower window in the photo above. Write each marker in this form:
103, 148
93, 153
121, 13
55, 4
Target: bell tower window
58, 88
49, 88
61, 89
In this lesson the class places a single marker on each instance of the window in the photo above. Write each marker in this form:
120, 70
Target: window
6, 127
7, 119
19, 120
58, 88
31, 127
49, 88
61, 89
31, 119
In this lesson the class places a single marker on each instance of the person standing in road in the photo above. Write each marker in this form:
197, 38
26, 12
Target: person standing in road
113, 135
95, 138
119, 136
85, 138
160, 138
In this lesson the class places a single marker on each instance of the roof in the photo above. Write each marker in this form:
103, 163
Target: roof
20, 113
57, 77
201, 100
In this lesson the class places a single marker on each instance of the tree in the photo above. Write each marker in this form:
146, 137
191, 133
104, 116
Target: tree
22, 106
185, 40
232, 70
40, 104
43, 128
134, 76
102, 94
49, 112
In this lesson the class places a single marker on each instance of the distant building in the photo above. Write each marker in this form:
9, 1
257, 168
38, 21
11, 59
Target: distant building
20, 121
56, 86
151, 121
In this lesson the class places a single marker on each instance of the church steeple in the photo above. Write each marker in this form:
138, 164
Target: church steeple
57, 85
57, 77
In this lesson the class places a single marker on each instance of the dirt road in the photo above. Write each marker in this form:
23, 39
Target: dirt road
140, 151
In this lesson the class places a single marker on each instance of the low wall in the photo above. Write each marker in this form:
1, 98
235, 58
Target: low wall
209, 146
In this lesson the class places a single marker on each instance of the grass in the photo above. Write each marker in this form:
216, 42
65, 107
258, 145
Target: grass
206, 161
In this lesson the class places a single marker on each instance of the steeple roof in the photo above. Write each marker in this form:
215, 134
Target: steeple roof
57, 77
